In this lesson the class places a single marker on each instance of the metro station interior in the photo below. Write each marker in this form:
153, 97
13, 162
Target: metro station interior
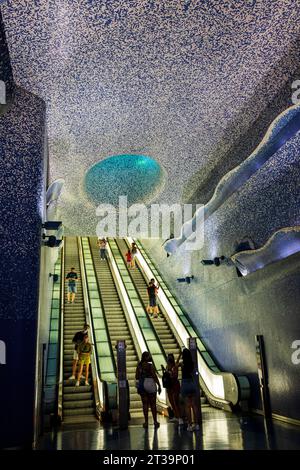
120, 120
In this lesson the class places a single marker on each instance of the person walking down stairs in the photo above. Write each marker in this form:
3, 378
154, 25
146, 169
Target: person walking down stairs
134, 250
129, 259
101, 243
72, 278
77, 340
84, 353
152, 291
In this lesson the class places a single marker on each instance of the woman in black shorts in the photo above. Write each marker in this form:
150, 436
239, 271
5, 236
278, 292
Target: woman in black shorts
188, 390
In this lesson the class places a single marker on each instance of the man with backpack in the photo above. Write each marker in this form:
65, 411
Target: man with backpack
77, 340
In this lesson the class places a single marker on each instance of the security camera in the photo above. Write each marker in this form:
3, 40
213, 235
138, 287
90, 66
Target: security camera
207, 262
52, 225
52, 241
186, 279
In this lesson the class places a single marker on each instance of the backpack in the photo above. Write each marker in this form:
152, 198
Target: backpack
166, 379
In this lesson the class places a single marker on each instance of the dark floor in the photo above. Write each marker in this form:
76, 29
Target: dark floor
221, 431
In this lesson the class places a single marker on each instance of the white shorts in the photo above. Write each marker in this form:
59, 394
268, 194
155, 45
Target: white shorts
75, 355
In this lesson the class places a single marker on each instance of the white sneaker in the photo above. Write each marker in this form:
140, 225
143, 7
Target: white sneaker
180, 422
87, 384
77, 383
72, 377
190, 428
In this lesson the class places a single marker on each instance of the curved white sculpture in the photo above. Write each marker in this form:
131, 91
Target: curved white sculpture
283, 243
52, 195
285, 126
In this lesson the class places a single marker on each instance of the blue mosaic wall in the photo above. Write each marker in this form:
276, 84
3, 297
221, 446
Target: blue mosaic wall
22, 131
5, 66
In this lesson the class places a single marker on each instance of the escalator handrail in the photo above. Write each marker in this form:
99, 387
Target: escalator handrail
98, 385
61, 335
223, 374
142, 303
162, 397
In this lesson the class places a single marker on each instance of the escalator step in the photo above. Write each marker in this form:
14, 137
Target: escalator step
69, 387
80, 411
78, 396
71, 420
68, 404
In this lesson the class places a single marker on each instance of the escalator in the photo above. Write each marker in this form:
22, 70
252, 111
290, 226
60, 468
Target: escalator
167, 338
223, 390
163, 330
78, 404
116, 321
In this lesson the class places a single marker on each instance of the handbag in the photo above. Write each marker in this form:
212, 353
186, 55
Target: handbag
167, 380
149, 385
140, 385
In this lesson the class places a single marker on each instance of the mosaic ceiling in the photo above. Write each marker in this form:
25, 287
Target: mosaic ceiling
171, 79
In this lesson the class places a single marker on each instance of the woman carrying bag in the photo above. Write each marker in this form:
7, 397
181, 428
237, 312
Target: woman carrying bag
147, 386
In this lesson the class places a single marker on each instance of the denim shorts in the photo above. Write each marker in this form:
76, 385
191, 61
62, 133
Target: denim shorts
188, 387
72, 288
152, 302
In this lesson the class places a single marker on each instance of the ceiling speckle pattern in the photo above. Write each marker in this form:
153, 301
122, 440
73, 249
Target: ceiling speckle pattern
163, 78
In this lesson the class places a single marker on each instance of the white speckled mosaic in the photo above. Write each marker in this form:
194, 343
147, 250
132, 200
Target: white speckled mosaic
170, 79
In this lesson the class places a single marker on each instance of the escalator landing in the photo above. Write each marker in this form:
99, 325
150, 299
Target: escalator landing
220, 431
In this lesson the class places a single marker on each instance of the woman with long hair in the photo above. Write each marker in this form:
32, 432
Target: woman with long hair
189, 391
173, 386
147, 386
